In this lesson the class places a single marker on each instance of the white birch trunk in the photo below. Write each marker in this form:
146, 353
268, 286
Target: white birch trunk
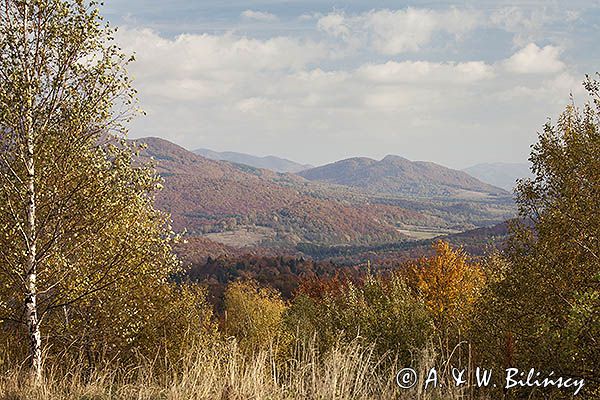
31, 311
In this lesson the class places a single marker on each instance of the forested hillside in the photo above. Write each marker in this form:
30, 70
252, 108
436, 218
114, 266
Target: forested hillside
205, 196
257, 206
399, 176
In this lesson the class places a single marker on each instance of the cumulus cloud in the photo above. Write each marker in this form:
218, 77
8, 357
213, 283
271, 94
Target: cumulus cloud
396, 31
334, 24
425, 71
212, 55
253, 74
259, 16
535, 60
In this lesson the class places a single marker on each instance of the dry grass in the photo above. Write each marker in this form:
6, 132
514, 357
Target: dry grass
223, 372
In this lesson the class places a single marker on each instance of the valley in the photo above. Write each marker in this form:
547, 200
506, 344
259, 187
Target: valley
356, 202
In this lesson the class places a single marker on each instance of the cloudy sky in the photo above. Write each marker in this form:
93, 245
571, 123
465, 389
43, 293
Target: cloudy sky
457, 83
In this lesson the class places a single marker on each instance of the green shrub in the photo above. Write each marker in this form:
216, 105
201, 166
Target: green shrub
380, 311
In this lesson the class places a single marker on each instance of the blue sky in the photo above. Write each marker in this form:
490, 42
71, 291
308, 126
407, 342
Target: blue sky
315, 81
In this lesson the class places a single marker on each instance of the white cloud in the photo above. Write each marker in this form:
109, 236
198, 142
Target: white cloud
424, 72
397, 31
334, 24
217, 54
572, 15
252, 104
553, 91
293, 96
310, 16
259, 16
531, 24
535, 60
515, 19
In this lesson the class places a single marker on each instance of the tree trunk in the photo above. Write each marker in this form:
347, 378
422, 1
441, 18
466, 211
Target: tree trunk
33, 327
31, 311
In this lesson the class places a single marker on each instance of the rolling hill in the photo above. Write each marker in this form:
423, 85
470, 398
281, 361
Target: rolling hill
273, 163
398, 176
503, 175
207, 197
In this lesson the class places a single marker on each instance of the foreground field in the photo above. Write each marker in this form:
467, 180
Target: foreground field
223, 372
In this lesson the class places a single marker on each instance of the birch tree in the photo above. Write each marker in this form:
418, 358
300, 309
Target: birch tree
545, 309
76, 215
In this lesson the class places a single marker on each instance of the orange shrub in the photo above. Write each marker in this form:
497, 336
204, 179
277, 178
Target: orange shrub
448, 283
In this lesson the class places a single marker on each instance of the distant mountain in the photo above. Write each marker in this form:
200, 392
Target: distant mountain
399, 176
503, 175
244, 206
269, 162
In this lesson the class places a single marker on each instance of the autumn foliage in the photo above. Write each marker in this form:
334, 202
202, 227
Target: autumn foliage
448, 283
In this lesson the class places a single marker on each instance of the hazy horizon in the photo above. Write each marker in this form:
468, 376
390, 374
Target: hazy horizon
333, 161
316, 82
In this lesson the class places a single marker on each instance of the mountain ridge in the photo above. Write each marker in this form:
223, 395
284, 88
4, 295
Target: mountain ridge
208, 197
397, 175
274, 163
500, 174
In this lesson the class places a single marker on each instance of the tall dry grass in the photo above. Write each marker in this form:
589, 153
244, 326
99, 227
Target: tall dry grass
224, 372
